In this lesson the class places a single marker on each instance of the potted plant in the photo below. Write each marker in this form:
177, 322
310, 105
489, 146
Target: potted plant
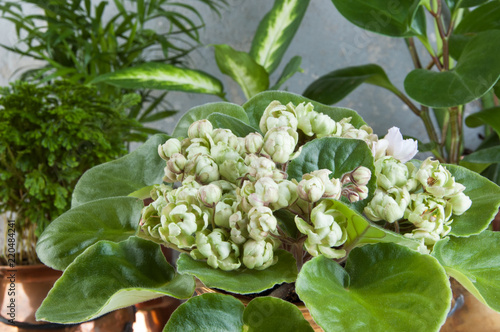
282, 197
50, 134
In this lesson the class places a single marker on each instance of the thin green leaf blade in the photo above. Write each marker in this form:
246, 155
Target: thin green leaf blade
276, 31
292, 67
336, 85
476, 72
204, 111
140, 168
364, 296
244, 281
108, 276
114, 219
163, 77
242, 68
474, 262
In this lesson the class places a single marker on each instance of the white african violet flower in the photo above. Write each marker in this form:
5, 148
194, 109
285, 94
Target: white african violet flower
259, 255
391, 173
388, 205
327, 230
218, 249
437, 180
394, 145
167, 149
278, 115
279, 143
200, 129
261, 222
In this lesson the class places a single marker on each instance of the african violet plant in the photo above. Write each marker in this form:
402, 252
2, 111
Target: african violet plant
279, 192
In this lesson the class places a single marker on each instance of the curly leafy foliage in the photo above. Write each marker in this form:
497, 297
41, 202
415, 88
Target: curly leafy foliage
50, 135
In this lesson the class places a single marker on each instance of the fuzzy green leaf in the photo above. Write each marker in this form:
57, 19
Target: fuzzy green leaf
490, 117
384, 287
474, 263
108, 276
485, 196
336, 85
203, 112
244, 281
241, 67
476, 72
162, 77
276, 31
114, 219
140, 168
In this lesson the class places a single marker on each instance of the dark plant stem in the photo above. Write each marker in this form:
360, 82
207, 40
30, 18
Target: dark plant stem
455, 127
413, 52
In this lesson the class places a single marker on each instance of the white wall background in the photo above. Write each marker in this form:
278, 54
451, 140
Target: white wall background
326, 41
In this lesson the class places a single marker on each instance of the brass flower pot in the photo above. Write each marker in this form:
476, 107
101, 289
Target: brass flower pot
470, 314
26, 287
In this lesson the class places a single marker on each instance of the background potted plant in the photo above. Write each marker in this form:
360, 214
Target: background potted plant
369, 237
50, 135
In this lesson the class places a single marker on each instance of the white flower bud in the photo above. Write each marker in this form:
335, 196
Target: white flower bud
239, 227
322, 125
261, 223
218, 249
259, 255
209, 195
177, 163
437, 180
460, 203
277, 115
167, 149
391, 173
287, 195
389, 206
254, 143
200, 129
305, 117
279, 143
311, 188
203, 168
361, 176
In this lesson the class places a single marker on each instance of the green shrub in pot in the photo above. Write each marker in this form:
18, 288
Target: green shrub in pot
49, 136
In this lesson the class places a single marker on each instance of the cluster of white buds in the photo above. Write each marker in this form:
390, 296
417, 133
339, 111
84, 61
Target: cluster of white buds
228, 187
426, 197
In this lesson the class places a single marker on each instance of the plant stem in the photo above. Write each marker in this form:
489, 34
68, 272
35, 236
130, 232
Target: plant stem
455, 127
413, 52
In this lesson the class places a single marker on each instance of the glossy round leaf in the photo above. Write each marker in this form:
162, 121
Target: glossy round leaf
270, 314
336, 85
474, 262
238, 127
255, 107
397, 19
108, 276
485, 196
140, 168
207, 312
244, 281
476, 72
339, 155
114, 219
153, 75
203, 111
384, 287
484, 156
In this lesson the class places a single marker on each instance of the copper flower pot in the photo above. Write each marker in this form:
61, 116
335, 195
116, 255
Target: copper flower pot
470, 314
202, 289
27, 286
